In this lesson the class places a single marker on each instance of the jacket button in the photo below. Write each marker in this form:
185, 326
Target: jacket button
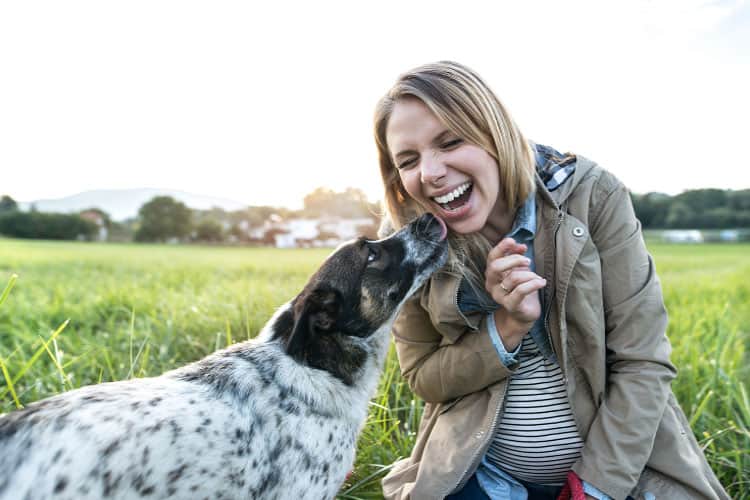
578, 231
478, 435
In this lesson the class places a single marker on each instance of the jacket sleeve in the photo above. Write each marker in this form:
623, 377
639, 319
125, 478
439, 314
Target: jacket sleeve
621, 437
439, 370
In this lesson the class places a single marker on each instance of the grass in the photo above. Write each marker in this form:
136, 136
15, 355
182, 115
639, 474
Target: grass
73, 314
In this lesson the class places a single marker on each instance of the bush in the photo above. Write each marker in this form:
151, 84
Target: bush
47, 226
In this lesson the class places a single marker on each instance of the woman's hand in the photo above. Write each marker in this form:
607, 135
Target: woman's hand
512, 284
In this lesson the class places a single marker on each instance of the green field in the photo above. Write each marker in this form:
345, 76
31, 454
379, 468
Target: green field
138, 310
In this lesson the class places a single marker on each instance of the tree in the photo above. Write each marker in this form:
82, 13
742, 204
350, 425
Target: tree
8, 204
739, 200
209, 230
351, 202
163, 218
651, 209
702, 199
680, 216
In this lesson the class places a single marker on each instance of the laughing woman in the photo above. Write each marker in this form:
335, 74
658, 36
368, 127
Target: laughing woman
540, 349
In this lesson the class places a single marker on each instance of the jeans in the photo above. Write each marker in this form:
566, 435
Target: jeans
472, 491
541, 491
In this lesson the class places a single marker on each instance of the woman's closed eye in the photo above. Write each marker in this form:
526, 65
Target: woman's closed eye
409, 162
452, 143
447, 145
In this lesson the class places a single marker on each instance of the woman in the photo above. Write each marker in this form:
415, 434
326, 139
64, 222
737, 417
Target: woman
540, 348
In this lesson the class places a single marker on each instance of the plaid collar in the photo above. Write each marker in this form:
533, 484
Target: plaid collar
552, 166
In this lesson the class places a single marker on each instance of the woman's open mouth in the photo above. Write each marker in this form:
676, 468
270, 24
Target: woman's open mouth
455, 199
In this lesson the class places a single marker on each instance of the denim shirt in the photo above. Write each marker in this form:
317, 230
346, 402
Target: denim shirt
469, 300
554, 168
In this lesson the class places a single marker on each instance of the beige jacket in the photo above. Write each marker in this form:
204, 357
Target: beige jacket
606, 321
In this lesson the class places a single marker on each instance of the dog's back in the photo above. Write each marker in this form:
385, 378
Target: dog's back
154, 437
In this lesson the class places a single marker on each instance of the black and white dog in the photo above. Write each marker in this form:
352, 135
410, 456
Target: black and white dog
276, 417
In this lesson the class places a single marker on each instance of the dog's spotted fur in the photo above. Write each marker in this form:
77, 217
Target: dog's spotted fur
276, 417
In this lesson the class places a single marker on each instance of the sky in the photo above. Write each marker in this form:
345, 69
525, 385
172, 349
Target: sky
262, 102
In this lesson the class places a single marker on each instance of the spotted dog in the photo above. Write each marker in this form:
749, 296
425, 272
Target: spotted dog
276, 417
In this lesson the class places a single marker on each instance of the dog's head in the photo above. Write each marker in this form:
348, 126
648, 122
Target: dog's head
357, 292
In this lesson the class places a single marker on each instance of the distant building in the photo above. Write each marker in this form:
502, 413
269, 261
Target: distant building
347, 229
682, 236
729, 235
317, 232
298, 230
99, 219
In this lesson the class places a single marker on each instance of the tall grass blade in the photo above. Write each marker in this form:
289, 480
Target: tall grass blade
701, 407
53, 339
9, 382
8, 288
34, 358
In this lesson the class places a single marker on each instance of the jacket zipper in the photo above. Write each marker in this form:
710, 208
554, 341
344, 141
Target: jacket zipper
560, 217
490, 433
455, 303
491, 430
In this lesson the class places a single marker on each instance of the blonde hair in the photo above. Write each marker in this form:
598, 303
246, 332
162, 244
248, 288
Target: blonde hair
467, 106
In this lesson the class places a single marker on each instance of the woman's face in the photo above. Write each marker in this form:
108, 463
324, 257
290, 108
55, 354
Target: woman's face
453, 179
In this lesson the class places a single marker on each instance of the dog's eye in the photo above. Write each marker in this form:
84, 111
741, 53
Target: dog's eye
372, 254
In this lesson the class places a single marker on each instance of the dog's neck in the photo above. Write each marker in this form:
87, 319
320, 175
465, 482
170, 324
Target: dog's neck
343, 356
238, 367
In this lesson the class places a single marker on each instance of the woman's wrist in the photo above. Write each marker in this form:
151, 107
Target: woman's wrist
511, 331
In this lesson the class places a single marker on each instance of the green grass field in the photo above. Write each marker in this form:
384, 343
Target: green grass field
81, 313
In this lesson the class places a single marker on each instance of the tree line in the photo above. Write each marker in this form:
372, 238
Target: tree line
165, 219
694, 209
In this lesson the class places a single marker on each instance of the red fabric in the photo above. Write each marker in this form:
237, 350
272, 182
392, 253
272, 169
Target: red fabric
573, 489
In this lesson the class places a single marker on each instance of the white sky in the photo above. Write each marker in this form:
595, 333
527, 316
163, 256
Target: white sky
261, 102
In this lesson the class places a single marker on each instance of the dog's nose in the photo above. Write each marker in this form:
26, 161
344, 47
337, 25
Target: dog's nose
430, 227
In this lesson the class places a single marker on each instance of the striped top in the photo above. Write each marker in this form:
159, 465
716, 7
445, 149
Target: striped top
537, 439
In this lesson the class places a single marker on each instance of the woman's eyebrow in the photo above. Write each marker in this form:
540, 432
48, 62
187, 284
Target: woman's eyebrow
436, 140
405, 152
441, 136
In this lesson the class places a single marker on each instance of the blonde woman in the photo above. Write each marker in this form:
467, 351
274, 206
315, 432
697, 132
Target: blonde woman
540, 349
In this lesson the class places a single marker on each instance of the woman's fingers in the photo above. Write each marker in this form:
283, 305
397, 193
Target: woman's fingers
497, 268
516, 285
522, 303
507, 246
517, 277
519, 293
510, 281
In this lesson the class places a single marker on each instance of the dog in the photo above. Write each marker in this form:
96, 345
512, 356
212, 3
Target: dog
276, 417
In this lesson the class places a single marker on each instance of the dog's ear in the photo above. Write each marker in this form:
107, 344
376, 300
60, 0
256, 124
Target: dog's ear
315, 314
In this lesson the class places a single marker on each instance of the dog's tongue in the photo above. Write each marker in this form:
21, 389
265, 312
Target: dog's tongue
443, 228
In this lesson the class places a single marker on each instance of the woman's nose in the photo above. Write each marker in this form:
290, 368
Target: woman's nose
433, 170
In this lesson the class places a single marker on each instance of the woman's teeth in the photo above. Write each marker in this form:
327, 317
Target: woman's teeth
446, 199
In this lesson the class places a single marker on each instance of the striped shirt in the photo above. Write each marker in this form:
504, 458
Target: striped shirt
537, 439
